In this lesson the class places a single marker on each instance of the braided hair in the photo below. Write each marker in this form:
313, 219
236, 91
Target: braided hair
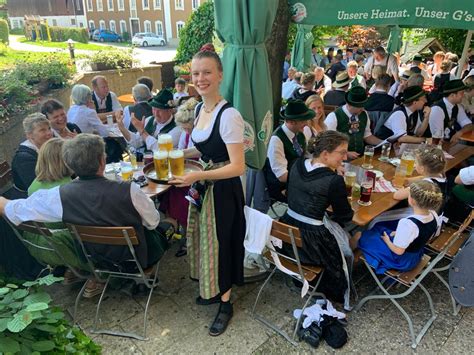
426, 195
432, 159
326, 140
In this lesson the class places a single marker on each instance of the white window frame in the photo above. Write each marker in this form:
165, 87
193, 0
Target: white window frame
124, 27
89, 5
110, 2
156, 4
78, 5
115, 25
147, 26
91, 22
54, 22
195, 4
179, 4
121, 5
102, 25
100, 5
177, 27
15, 23
156, 28
73, 21
145, 8
133, 4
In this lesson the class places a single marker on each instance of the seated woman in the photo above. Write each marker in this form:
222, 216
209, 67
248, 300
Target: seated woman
314, 185
38, 131
56, 114
316, 124
399, 244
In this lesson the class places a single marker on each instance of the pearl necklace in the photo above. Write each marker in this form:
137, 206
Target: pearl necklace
213, 107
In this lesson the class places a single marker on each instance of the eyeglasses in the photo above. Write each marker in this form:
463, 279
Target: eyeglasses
342, 152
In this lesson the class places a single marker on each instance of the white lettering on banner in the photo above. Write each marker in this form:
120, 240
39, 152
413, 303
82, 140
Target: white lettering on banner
461, 15
342, 15
377, 13
422, 12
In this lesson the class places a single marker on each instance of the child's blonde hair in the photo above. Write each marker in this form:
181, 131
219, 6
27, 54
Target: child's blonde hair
426, 195
432, 159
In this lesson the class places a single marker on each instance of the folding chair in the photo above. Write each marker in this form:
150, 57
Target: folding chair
451, 231
125, 236
6, 177
410, 279
290, 235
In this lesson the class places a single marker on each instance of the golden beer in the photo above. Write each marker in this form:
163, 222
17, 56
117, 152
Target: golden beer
408, 160
176, 158
127, 173
349, 179
165, 142
160, 159
399, 177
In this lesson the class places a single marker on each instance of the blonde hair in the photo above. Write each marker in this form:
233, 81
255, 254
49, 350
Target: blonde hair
50, 166
432, 159
446, 65
426, 195
352, 64
439, 54
317, 98
185, 113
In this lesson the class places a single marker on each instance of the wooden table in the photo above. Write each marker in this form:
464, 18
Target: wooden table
126, 99
383, 201
468, 136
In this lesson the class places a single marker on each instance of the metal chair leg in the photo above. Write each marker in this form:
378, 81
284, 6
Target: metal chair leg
456, 307
98, 305
152, 288
76, 303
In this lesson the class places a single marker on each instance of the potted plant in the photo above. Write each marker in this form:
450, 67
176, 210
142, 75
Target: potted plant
183, 71
110, 60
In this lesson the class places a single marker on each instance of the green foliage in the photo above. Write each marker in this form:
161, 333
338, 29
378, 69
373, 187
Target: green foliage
28, 323
198, 31
452, 39
3, 31
62, 34
126, 36
15, 95
320, 33
111, 59
49, 69
17, 31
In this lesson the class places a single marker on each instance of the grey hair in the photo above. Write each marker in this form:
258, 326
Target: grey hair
185, 112
318, 69
33, 120
141, 92
83, 154
80, 94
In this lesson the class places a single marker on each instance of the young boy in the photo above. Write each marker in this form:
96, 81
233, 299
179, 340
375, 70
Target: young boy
180, 87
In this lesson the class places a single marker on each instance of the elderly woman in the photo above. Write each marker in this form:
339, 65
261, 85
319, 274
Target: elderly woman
56, 114
38, 130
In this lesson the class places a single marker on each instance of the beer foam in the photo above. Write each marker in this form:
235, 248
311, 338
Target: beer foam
160, 154
164, 138
175, 154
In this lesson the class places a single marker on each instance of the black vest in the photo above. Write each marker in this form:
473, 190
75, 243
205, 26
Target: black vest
384, 132
141, 110
450, 123
426, 231
108, 103
97, 201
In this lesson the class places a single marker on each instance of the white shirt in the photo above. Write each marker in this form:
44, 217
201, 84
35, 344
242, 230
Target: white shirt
177, 95
87, 120
102, 102
407, 231
310, 166
316, 59
182, 141
287, 88
29, 144
394, 89
397, 123
467, 175
437, 119
276, 152
327, 83
46, 206
392, 66
151, 141
331, 121
127, 117
361, 81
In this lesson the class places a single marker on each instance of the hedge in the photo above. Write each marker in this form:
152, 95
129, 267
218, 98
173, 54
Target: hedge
3, 31
62, 34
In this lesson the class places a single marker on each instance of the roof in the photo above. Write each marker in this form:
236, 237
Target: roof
430, 45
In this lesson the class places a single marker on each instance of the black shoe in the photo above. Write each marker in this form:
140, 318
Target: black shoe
206, 302
223, 317
182, 251
311, 335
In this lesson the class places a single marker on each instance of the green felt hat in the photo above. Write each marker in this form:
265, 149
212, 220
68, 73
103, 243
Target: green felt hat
163, 100
412, 93
417, 58
296, 110
453, 86
356, 96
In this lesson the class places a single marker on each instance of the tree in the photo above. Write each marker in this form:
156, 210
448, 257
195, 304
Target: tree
452, 39
366, 37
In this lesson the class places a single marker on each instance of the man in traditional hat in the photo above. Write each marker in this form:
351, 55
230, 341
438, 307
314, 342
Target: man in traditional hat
337, 96
105, 101
409, 121
448, 120
336, 67
286, 144
161, 122
417, 68
352, 120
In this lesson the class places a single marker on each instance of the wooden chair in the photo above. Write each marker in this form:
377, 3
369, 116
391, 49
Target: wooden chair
312, 274
458, 235
117, 236
329, 108
6, 177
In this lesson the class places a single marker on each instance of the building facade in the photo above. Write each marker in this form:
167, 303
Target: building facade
65, 13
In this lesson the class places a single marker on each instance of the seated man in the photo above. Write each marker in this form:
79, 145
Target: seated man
93, 200
380, 100
351, 119
145, 80
141, 108
38, 131
448, 120
323, 83
287, 143
335, 68
161, 122
105, 101
291, 84
409, 121
337, 96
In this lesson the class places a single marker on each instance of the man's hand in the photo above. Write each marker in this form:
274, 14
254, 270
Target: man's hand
3, 203
119, 117
352, 155
139, 125
455, 139
426, 112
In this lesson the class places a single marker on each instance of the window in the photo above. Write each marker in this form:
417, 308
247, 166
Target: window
78, 5
81, 25
179, 27
102, 24
147, 25
100, 5
55, 23
196, 4
91, 24
157, 4
112, 25
49, 6
133, 4
146, 4
123, 26
89, 5
15, 24
120, 5
159, 28
179, 4
73, 22
110, 5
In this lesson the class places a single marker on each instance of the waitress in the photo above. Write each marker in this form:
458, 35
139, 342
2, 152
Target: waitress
216, 231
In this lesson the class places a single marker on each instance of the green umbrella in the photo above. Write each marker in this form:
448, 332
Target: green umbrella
243, 26
394, 40
301, 53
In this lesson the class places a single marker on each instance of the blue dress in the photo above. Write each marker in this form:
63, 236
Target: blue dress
381, 258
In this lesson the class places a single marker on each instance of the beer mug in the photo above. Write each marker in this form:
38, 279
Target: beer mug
385, 152
160, 158
399, 178
176, 158
350, 177
366, 188
126, 171
408, 160
368, 155
165, 142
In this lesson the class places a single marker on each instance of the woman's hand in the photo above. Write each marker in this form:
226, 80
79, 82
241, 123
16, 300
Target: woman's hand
385, 237
185, 180
352, 155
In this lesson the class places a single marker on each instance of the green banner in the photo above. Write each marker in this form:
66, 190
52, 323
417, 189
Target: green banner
406, 13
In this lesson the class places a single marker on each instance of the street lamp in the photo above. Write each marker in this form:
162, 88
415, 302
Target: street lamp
70, 44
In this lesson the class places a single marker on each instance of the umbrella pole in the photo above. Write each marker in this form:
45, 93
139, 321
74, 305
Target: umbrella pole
464, 54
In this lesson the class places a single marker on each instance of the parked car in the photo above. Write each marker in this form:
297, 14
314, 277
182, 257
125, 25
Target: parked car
106, 36
145, 39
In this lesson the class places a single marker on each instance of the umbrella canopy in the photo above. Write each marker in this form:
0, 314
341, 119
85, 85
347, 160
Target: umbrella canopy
301, 53
243, 26
394, 43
